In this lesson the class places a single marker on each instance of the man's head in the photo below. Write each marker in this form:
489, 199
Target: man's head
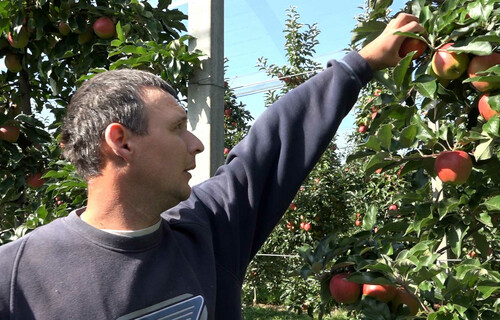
110, 97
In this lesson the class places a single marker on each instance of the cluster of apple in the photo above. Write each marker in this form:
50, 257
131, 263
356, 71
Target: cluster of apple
400, 300
10, 132
103, 27
454, 166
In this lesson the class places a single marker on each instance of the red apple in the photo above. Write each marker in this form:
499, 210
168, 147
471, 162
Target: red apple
485, 108
393, 207
362, 128
412, 44
22, 39
13, 62
344, 291
9, 133
64, 28
292, 206
358, 223
481, 63
453, 166
381, 292
228, 112
449, 65
402, 298
307, 226
226, 150
104, 28
35, 180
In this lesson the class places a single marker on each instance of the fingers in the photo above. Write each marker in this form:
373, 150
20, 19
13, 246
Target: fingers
412, 26
403, 19
384, 50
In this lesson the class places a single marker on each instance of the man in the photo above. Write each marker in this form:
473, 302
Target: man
149, 247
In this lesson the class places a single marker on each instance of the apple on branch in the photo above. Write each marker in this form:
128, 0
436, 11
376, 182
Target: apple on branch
403, 300
381, 292
453, 166
343, 290
10, 133
21, 40
35, 180
485, 109
104, 28
64, 28
482, 63
448, 64
410, 45
13, 62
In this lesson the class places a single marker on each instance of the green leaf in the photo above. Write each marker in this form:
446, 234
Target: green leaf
424, 133
384, 78
484, 150
456, 233
480, 48
372, 309
370, 218
487, 288
494, 102
384, 135
373, 143
400, 70
481, 243
493, 204
358, 155
427, 89
369, 26
492, 127
368, 277
446, 206
407, 136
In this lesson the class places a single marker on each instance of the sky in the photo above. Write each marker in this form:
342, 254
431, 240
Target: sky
254, 28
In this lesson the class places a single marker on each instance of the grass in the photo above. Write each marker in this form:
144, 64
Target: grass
263, 312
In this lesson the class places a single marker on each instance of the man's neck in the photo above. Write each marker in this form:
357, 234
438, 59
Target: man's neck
111, 207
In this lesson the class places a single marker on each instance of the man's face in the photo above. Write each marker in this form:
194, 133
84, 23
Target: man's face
167, 153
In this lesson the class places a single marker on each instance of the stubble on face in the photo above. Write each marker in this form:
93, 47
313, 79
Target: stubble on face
164, 158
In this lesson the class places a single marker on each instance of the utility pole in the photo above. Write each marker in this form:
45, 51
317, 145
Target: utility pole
206, 88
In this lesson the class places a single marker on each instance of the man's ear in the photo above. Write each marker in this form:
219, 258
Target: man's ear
117, 139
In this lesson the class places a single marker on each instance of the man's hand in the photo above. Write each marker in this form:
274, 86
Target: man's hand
383, 52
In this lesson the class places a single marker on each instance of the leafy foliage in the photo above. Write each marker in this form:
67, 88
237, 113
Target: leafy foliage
320, 207
53, 63
441, 242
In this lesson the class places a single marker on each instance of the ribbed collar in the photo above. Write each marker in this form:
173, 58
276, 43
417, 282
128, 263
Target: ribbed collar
111, 241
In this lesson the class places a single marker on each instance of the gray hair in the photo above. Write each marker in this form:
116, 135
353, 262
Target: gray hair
109, 97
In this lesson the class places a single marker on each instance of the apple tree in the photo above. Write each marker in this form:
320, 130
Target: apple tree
434, 119
320, 206
49, 48
236, 118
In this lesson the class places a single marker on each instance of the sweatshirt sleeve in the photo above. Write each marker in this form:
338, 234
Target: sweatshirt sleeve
249, 194
9, 254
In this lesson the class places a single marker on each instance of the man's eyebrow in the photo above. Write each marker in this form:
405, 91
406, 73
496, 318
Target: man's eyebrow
182, 118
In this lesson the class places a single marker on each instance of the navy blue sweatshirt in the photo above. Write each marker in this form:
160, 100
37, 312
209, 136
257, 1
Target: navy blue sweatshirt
193, 266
